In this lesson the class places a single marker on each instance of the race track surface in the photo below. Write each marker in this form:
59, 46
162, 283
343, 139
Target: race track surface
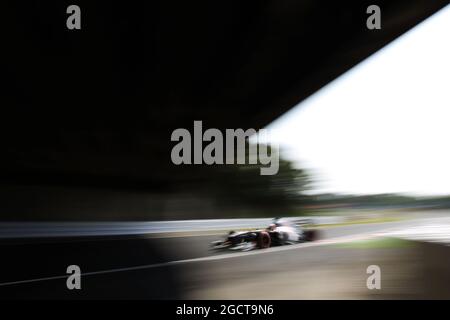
183, 266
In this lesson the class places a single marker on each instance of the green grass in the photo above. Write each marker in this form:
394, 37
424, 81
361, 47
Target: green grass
378, 243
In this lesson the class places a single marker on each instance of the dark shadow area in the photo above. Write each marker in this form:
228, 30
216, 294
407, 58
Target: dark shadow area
95, 108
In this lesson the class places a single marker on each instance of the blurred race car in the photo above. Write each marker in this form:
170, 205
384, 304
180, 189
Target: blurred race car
279, 232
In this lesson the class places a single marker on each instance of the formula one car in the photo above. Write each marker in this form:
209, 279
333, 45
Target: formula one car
280, 232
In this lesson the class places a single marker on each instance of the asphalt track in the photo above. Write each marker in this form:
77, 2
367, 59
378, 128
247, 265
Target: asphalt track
191, 246
183, 266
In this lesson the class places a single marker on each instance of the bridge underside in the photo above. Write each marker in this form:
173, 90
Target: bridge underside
95, 108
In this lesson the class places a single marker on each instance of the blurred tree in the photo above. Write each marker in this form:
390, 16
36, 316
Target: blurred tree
240, 189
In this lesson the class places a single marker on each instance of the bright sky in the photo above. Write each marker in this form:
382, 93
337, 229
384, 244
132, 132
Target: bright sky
384, 126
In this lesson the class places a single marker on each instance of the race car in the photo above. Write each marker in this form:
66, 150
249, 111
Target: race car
279, 232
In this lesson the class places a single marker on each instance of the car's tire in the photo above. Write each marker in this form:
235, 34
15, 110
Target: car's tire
264, 240
311, 235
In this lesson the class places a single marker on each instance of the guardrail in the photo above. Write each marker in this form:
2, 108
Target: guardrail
77, 229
